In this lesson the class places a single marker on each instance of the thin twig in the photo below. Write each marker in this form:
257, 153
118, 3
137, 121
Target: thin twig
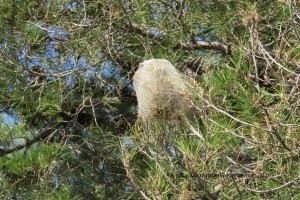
274, 189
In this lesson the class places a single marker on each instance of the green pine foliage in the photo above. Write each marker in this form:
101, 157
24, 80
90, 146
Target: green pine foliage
69, 126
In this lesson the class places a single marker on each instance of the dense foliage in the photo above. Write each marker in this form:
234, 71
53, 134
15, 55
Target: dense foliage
68, 127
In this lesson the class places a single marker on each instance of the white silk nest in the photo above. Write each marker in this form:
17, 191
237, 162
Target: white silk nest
161, 90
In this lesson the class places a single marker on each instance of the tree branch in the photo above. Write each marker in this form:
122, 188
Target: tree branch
43, 133
201, 45
198, 45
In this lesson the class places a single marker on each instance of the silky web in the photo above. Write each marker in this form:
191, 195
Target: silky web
161, 90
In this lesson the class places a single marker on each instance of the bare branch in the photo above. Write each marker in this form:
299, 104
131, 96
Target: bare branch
43, 133
199, 45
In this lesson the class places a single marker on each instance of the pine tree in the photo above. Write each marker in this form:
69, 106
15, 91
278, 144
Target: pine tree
69, 126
